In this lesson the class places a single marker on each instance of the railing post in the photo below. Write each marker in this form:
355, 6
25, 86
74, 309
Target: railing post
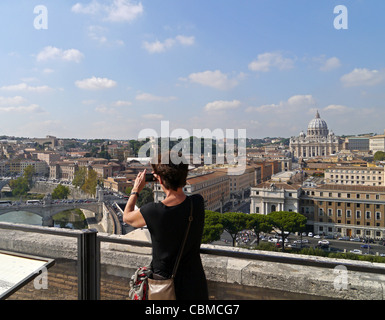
88, 265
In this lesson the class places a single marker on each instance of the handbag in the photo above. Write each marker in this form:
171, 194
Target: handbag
160, 288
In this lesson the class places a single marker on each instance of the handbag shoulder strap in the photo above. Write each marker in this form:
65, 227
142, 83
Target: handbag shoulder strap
190, 219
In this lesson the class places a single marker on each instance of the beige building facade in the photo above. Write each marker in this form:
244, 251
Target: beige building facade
369, 176
214, 186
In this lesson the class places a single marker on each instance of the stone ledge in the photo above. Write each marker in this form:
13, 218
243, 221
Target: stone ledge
295, 278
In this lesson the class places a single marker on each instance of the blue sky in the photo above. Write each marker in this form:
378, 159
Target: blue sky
108, 69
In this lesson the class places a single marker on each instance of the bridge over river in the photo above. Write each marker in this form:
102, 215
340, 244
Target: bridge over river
48, 210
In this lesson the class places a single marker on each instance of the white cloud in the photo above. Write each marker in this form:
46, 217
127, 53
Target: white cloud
301, 100
53, 53
186, 41
122, 103
363, 77
153, 116
293, 103
26, 88
91, 8
105, 110
221, 105
123, 10
6, 101
150, 97
268, 60
33, 108
330, 64
99, 34
215, 79
337, 109
95, 83
117, 11
158, 47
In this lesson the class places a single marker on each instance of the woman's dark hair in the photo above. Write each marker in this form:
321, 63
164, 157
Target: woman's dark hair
172, 168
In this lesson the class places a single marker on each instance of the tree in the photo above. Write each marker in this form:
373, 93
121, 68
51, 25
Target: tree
260, 223
28, 174
80, 177
61, 192
145, 196
285, 222
234, 222
19, 186
213, 227
90, 182
379, 156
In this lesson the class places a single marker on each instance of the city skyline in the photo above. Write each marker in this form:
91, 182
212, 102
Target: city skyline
109, 69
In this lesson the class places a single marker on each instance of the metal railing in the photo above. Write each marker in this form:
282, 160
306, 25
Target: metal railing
88, 244
88, 255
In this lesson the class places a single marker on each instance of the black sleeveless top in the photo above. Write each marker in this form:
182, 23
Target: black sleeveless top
168, 226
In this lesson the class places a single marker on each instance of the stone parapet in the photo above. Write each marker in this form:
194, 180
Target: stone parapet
307, 276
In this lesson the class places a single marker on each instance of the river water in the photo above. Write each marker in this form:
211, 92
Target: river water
22, 217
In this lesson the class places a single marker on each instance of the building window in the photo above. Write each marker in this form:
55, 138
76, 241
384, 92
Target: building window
256, 209
330, 212
378, 215
367, 214
348, 213
358, 214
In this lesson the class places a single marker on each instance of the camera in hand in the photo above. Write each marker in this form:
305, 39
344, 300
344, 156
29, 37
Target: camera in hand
150, 177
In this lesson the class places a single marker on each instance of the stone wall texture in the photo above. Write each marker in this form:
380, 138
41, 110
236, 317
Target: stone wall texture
229, 278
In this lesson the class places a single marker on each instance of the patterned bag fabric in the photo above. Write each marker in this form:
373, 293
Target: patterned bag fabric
139, 284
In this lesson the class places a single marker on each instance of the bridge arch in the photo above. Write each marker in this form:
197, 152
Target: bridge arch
47, 211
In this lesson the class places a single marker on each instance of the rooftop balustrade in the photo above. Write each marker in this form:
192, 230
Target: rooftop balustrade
92, 266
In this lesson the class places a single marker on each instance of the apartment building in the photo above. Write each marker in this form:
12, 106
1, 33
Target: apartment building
18, 166
63, 170
240, 178
330, 209
369, 176
47, 156
103, 170
214, 186
355, 211
117, 184
377, 143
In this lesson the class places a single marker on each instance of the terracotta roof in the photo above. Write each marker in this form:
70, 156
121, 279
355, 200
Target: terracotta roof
204, 177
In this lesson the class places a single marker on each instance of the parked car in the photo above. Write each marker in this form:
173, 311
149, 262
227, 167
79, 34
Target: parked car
310, 234
345, 238
323, 242
317, 236
355, 239
366, 246
356, 251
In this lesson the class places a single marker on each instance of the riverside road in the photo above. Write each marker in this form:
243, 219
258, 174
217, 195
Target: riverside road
335, 245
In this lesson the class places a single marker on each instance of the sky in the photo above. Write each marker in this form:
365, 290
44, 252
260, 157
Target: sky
112, 68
